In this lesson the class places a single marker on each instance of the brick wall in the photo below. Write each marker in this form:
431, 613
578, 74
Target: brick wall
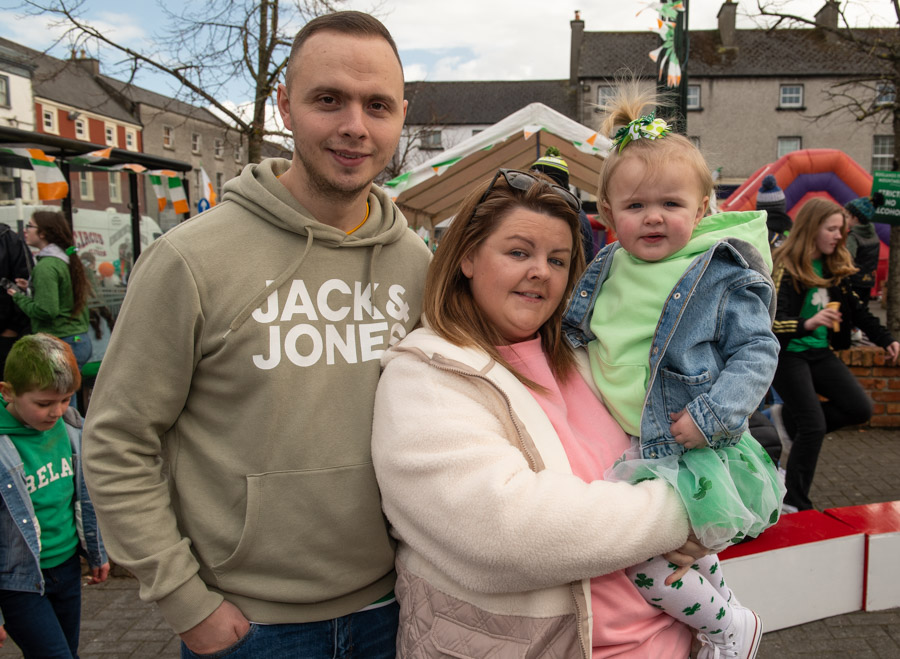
880, 381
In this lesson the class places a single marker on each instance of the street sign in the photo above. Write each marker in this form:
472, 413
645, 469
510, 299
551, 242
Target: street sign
888, 184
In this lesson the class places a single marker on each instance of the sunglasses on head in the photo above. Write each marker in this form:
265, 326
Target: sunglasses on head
523, 181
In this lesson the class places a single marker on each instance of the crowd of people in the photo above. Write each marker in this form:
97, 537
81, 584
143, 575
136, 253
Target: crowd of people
312, 437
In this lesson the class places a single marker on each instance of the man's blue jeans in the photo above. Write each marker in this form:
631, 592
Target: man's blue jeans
365, 635
47, 625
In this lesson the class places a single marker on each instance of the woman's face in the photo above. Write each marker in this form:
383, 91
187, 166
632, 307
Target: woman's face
830, 233
518, 275
33, 236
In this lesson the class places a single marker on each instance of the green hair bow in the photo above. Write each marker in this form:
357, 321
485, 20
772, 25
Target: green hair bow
647, 127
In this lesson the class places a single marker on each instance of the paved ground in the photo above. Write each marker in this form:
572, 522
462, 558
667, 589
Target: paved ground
857, 466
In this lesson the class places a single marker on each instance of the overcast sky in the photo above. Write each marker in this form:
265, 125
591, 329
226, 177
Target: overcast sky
450, 39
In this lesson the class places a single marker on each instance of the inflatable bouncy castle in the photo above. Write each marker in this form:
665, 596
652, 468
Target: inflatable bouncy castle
805, 174
812, 173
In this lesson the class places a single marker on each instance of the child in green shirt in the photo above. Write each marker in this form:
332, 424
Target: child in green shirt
46, 517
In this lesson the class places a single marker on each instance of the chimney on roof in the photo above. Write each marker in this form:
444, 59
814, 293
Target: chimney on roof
827, 16
575, 54
727, 17
89, 64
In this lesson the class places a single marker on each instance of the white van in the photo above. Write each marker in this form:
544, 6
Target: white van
103, 239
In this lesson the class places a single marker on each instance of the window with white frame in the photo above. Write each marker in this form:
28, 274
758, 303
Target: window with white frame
605, 95
218, 148
237, 152
81, 131
791, 96
86, 185
788, 144
168, 137
430, 139
131, 139
885, 94
4, 91
48, 119
693, 97
883, 153
195, 142
115, 187
110, 133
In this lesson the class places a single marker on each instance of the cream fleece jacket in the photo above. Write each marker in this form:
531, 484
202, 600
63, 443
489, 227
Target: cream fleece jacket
479, 492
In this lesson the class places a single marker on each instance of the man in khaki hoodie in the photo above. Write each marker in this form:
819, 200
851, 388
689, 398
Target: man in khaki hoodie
228, 442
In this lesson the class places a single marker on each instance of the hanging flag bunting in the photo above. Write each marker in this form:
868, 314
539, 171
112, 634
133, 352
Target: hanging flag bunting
160, 190
50, 181
167, 185
206, 189
91, 158
665, 55
176, 194
441, 167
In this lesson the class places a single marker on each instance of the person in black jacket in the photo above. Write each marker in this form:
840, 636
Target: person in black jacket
817, 309
863, 243
15, 262
770, 198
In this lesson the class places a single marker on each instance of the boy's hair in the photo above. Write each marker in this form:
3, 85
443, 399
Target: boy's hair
354, 23
629, 103
40, 362
449, 306
795, 253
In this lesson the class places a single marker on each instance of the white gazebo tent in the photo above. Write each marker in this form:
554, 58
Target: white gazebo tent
432, 191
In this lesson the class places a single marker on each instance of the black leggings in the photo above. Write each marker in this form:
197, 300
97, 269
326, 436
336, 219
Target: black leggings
799, 379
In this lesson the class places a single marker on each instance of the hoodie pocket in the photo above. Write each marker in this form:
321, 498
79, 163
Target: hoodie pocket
309, 535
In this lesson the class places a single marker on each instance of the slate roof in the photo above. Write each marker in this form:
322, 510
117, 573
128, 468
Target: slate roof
67, 83
758, 53
135, 94
483, 102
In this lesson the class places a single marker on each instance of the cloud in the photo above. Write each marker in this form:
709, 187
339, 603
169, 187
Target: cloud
46, 31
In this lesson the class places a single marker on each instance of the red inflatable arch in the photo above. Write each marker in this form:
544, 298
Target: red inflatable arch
805, 174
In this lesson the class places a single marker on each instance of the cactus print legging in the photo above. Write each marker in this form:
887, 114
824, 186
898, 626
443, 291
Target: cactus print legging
700, 599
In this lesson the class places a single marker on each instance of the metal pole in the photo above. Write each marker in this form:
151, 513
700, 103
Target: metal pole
135, 216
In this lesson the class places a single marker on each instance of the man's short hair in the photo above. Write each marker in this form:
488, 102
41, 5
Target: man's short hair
355, 23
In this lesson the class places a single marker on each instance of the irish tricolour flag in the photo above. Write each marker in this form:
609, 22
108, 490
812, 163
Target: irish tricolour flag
50, 181
167, 185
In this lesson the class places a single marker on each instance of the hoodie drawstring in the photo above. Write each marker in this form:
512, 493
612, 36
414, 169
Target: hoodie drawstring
257, 300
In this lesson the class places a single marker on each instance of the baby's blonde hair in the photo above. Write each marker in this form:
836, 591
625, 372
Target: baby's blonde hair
630, 102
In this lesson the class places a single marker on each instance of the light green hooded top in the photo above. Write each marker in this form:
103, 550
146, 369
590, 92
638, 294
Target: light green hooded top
631, 301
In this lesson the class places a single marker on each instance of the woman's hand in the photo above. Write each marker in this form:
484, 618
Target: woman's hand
893, 351
826, 317
685, 556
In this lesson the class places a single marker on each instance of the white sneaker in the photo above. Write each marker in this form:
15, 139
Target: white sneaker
741, 638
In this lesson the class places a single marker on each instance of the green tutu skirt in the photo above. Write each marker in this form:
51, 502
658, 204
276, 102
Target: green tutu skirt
729, 493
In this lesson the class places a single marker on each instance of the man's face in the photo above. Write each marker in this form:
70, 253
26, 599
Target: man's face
345, 109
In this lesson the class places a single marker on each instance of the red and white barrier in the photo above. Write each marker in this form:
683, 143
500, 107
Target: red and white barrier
814, 565
881, 524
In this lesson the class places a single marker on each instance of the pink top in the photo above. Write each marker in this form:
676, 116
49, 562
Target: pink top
624, 624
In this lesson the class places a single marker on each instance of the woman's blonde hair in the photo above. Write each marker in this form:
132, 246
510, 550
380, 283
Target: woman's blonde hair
449, 305
629, 103
796, 253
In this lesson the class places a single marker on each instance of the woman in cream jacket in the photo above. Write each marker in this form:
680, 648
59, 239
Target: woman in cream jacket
487, 442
